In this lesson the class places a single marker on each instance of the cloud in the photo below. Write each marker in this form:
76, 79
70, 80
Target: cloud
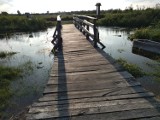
3, 2
5, 5
143, 3
140, 1
33, 6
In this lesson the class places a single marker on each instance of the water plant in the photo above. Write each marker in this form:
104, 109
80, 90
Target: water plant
156, 72
131, 68
7, 76
120, 50
26, 68
4, 54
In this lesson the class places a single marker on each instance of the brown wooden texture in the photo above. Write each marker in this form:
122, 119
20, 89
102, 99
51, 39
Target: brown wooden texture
87, 84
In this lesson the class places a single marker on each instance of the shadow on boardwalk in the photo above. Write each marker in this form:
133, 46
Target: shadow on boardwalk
62, 87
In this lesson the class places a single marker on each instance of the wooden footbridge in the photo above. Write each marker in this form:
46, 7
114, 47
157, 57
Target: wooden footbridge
87, 84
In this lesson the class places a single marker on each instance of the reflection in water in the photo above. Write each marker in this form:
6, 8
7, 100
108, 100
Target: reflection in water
144, 53
121, 47
35, 51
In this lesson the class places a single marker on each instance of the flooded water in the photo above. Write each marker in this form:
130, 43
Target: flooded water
34, 55
119, 46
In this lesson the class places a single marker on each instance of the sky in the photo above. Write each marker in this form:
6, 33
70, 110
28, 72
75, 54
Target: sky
42, 6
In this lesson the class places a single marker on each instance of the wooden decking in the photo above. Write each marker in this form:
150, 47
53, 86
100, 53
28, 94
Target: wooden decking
86, 84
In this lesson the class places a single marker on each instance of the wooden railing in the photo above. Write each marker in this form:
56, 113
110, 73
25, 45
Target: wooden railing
84, 23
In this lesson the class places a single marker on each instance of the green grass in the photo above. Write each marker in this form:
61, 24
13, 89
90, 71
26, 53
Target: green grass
8, 75
130, 18
5, 54
156, 73
131, 68
147, 33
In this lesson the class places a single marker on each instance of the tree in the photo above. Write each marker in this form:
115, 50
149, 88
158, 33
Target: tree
19, 13
4, 13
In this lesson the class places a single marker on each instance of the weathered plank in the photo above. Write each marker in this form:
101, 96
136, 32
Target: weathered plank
104, 94
123, 115
89, 78
90, 86
99, 104
106, 111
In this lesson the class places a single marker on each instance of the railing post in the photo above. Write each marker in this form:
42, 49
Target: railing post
95, 34
87, 36
83, 25
80, 26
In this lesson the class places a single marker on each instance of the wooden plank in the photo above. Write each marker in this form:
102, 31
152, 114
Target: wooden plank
149, 118
139, 109
87, 78
96, 95
54, 72
83, 87
62, 71
124, 115
95, 104
134, 97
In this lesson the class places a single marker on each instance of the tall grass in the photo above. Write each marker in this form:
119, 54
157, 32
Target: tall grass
7, 75
12, 23
147, 21
131, 18
131, 68
4, 54
152, 33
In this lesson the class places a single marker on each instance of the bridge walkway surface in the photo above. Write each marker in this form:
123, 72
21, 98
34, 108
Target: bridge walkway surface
85, 83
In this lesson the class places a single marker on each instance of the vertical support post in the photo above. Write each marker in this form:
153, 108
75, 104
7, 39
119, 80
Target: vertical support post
80, 25
87, 36
95, 33
98, 9
83, 25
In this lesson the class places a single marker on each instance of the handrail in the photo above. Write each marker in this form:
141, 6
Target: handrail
85, 17
83, 23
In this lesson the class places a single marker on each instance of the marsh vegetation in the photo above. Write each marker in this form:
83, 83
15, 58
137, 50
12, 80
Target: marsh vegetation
13, 23
146, 22
4, 54
131, 68
8, 75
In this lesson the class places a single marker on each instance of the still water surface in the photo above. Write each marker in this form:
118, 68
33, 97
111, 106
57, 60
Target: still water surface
34, 54
37, 52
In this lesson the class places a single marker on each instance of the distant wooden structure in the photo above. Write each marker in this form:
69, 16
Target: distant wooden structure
87, 84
